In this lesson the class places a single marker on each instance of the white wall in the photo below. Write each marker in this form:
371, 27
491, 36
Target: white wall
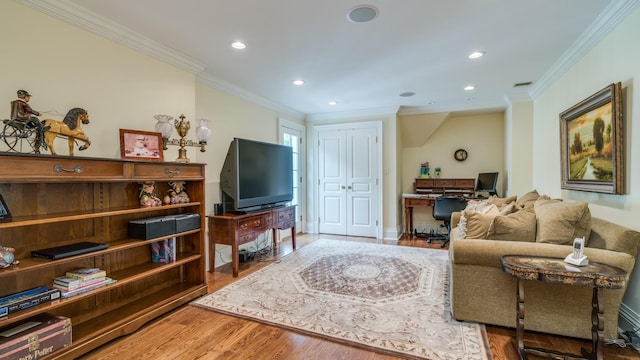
518, 144
65, 67
615, 59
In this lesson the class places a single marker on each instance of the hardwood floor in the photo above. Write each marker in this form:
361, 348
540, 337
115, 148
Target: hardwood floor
194, 333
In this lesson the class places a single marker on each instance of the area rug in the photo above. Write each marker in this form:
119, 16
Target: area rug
385, 298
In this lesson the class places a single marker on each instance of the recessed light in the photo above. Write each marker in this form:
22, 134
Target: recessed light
362, 13
332, 103
298, 82
476, 54
238, 45
469, 87
407, 94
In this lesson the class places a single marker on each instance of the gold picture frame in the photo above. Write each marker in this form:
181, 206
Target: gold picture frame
591, 144
141, 145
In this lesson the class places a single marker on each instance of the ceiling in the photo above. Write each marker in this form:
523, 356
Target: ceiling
418, 46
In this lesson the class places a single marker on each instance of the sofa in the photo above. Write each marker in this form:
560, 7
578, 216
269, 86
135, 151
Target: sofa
482, 292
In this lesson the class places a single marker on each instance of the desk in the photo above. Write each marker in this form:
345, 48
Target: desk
426, 190
554, 270
237, 229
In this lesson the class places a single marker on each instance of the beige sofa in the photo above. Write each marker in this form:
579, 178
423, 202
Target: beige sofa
482, 292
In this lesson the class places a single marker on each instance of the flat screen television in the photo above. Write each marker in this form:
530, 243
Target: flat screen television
256, 175
487, 182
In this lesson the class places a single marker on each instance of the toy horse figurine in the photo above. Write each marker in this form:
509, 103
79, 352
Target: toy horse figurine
70, 127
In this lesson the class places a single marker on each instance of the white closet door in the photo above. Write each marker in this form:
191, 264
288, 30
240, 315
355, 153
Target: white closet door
347, 184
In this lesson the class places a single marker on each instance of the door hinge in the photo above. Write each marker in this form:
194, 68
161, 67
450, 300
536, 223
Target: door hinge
376, 222
376, 181
318, 220
300, 140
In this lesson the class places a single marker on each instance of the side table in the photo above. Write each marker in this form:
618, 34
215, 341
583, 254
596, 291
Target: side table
554, 270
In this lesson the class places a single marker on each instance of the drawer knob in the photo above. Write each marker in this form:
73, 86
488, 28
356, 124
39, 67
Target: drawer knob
58, 168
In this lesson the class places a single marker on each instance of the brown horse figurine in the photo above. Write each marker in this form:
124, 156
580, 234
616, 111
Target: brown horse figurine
70, 127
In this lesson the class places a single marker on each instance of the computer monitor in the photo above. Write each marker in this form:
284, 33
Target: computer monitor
487, 182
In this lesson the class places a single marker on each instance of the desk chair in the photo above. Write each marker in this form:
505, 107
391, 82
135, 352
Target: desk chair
443, 207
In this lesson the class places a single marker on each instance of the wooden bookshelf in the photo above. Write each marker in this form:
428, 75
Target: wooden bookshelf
56, 200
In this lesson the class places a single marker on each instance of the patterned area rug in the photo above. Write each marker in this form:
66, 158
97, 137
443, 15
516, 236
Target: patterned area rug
386, 298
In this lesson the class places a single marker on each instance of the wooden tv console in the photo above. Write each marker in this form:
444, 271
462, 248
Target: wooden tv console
237, 229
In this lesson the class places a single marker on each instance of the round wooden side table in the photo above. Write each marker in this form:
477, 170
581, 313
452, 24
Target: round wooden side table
554, 270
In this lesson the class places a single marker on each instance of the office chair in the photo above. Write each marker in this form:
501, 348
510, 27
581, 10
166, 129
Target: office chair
443, 207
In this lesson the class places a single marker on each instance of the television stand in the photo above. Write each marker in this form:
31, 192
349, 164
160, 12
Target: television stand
236, 229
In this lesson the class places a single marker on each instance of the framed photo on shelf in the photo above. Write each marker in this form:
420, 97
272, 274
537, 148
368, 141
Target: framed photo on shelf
141, 145
591, 149
5, 214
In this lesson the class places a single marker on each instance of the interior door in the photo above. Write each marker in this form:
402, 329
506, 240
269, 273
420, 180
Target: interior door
361, 182
332, 167
292, 134
347, 182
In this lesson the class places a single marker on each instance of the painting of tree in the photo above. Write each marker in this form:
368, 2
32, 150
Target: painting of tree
592, 152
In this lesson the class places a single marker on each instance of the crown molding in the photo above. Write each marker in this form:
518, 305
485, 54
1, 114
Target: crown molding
93, 22
608, 20
364, 113
90, 21
229, 88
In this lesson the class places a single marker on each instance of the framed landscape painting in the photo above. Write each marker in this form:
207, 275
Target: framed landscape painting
591, 143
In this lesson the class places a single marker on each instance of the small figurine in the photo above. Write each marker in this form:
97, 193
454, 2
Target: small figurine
147, 196
6, 257
177, 194
21, 111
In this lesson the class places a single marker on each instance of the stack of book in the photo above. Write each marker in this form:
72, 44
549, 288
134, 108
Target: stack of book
81, 280
26, 299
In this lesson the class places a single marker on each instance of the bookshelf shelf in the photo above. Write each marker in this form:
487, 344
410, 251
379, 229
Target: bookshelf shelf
52, 208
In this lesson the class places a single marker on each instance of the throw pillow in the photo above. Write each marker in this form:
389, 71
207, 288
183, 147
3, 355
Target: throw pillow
501, 202
472, 205
528, 199
508, 209
478, 222
559, 222
517, 226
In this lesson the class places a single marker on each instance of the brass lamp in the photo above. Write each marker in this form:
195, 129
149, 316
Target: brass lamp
182, 127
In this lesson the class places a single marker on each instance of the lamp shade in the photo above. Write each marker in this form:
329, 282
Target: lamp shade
202, 131
164, 126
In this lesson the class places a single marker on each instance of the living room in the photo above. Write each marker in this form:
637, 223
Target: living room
64, 66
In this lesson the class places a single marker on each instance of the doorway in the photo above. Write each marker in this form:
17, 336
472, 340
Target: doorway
292, 135
348, 179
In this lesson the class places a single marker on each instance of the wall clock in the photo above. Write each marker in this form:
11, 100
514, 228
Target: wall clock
460, 155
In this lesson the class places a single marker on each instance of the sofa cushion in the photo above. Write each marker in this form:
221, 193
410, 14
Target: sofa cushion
528, 199
501, 202
472, 205
478, 222
517, 226
508, 209
560, 222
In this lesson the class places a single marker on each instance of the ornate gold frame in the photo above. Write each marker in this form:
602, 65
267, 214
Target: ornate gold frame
591, 145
